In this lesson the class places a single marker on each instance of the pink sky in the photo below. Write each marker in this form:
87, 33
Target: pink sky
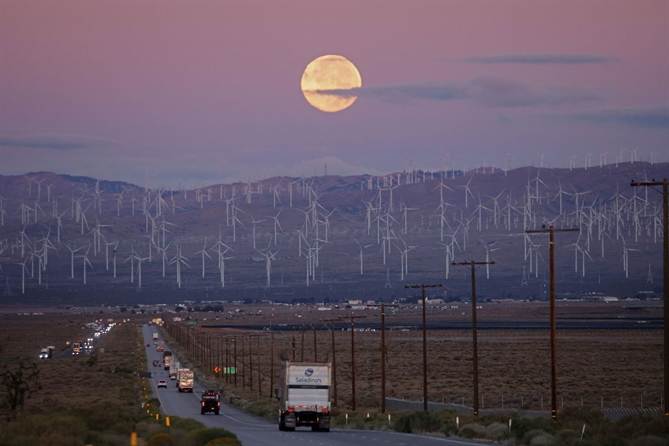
209, 91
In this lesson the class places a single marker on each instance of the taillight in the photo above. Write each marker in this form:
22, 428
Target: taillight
325, 411
291, 410
203, 403
218, 404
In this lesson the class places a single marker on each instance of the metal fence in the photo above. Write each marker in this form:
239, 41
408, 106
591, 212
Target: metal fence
613, 414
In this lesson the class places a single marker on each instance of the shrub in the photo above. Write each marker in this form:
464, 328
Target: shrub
543, 439
521, 426
224, 441
648, 440
423, 421
161, 440
472, 431
530, 435
204, 436
185, 424
496, 431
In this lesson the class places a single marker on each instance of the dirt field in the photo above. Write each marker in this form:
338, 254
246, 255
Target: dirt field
594, 366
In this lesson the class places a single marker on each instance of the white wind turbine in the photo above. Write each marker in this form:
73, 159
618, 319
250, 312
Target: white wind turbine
276, 224
269, 256
204, 253
86, 261
488, 250
73, 251
179, 259
254, 222
24, 269
361, 248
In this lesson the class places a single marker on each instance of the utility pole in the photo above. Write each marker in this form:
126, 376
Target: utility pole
383, 355
475, 344
551, 231
334, 362
665, 277
234, 342
352, 322
423, 286
315, 345
271, 363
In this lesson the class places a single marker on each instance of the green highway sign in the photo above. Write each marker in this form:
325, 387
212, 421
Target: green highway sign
229, 370
192, 323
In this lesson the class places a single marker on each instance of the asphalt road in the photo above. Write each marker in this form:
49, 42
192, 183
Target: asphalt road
253, 431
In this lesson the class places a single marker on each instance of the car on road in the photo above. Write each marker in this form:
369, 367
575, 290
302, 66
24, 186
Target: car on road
162, 383
148, 345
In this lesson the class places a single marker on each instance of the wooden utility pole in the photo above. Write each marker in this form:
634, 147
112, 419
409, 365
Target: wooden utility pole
423, 286
551, 231
234, 344
271, 363
334, 362
665, 276
475, 351
351, 320
383, 355
315, 345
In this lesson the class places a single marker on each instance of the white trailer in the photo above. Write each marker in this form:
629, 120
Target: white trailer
304, 395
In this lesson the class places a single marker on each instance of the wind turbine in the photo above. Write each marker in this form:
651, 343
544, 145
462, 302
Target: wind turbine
86, 261
254, 222
269, 256
361, 248
204, 253
276, 223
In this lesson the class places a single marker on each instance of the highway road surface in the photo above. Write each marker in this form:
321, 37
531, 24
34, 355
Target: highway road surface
254, 431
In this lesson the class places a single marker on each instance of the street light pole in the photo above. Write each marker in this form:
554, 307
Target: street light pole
423, 286
551, 231
475, 347
665, 275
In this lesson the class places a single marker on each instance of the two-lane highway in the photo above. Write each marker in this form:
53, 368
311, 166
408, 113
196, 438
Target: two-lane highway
254, 431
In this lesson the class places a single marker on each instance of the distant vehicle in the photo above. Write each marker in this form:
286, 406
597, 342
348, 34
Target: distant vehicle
168, 361
46, 353
174, 366
148, 345
160, 347
76, 348
162, 383
155, 336
185, 380
304, 395
211, 402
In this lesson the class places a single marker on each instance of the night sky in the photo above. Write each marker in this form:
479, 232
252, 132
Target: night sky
200, 93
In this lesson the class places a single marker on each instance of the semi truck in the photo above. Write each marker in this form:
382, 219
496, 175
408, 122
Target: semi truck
168, 361
174, 366
155, 336
304, 395
76, 347
185, 380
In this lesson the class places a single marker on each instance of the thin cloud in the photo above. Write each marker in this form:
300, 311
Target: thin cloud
403, 92
506, 93
53, 142
543, 59
647, 117
487, 91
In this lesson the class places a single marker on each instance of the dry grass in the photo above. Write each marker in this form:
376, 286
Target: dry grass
513, 365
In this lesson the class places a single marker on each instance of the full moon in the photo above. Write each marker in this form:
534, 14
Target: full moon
330, 73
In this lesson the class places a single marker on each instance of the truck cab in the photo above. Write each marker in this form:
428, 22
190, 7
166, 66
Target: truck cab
210, 402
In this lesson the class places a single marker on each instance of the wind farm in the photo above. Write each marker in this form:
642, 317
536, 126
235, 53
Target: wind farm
331, 238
